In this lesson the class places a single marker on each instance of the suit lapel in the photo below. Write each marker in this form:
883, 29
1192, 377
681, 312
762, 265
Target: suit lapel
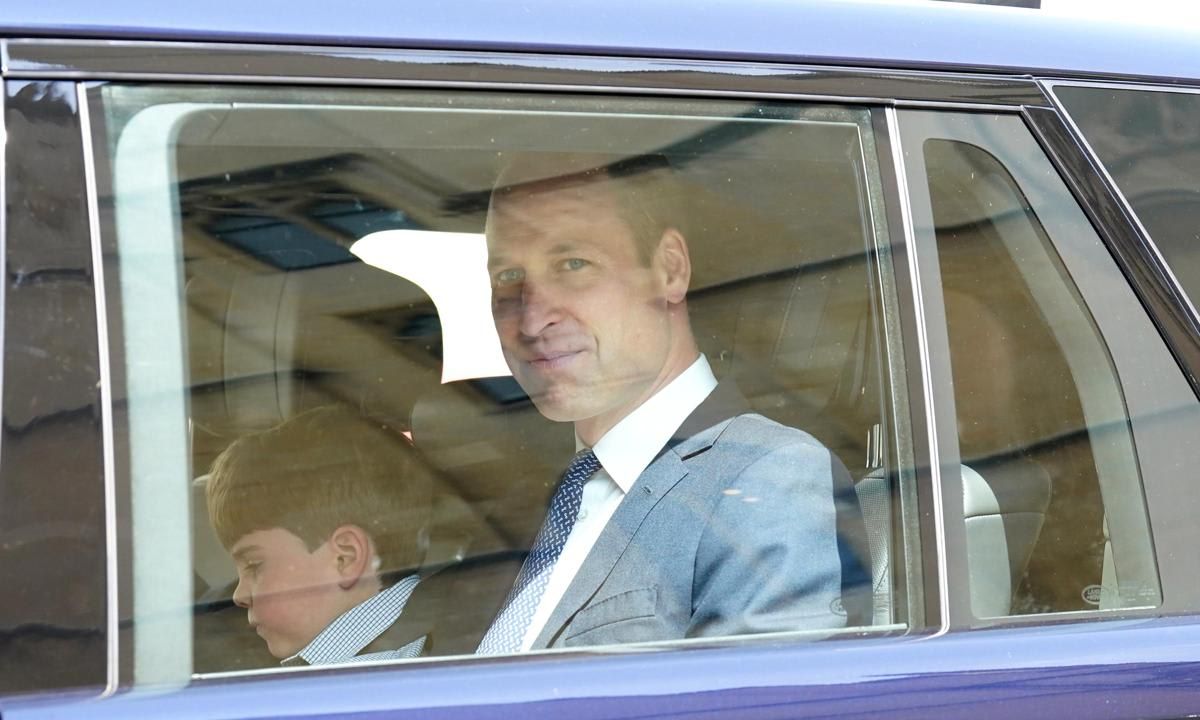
695, 435
648, 491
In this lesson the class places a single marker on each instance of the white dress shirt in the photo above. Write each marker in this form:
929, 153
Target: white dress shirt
624, 452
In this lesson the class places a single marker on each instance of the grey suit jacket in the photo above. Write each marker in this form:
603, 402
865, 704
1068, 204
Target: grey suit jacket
732, 529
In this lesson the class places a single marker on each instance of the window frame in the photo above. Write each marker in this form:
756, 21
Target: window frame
87, 61
165, 668
1178, 594
69, 256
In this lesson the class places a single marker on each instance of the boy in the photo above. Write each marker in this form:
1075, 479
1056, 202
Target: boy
325, 516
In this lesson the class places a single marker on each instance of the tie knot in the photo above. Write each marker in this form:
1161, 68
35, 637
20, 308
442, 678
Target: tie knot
582, 467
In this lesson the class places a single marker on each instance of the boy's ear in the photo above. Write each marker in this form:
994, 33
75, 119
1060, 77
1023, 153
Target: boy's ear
352, 552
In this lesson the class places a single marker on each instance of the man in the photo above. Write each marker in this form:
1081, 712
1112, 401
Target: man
695, 517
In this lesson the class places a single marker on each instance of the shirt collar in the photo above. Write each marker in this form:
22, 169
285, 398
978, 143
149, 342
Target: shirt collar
629, 447
356, 628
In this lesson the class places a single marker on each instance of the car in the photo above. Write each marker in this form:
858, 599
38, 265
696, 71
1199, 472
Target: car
954, 245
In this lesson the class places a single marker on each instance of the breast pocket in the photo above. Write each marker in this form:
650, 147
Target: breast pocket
627, 617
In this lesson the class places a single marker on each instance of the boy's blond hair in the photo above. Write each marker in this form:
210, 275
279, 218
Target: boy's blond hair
317, 471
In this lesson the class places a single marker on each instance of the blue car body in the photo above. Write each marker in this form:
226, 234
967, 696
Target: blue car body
1134, 665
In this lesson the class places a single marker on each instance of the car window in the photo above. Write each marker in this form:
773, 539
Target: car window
1149, 142
53, 524
373, 263
1057, 380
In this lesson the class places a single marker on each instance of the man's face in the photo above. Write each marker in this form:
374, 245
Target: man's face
583, 320
290, 594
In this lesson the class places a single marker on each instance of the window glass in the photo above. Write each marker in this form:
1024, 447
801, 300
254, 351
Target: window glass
1149, 141
1060, 384
53, 609
325, 296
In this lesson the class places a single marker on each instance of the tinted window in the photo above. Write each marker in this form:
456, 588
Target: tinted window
52, 514
1057, 379
1149, 141
1015, 324
298, 250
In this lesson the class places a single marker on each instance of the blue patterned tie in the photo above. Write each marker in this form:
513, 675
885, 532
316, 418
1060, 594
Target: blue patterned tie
508, 630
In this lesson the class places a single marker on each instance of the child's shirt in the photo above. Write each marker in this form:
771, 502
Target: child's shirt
358, 627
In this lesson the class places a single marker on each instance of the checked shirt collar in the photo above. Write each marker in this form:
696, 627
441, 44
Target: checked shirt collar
353, 630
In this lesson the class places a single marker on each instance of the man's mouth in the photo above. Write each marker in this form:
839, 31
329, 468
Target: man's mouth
553, 360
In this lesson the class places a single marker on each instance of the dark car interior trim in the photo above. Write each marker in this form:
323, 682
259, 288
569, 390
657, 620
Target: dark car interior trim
215, 62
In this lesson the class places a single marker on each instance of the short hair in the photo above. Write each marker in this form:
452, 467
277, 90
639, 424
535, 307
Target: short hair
646, 187
325, 468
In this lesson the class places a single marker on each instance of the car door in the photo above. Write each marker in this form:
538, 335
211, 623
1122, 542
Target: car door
903, 275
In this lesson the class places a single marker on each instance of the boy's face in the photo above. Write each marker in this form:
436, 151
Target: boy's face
290, 594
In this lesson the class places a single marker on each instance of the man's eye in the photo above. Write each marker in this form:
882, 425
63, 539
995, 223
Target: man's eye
574, 264
509, 277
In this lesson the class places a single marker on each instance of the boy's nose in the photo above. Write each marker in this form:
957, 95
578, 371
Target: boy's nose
241, 597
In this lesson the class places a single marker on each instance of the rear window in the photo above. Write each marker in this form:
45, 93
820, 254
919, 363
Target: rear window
1149, 141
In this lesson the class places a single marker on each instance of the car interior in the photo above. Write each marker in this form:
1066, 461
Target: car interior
281, 316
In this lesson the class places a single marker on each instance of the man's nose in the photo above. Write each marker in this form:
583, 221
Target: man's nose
540, 308
241, 595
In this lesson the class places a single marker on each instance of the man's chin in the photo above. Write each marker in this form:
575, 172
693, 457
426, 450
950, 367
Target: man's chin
559, 404
554, 409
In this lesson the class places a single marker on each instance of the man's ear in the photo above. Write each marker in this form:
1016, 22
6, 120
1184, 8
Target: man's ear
675, 264
352, 551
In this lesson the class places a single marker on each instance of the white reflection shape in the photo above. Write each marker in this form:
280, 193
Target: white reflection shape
452, 269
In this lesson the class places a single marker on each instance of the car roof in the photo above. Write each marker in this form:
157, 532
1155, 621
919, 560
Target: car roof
887, 33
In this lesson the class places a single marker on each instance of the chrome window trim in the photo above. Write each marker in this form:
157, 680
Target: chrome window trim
799, 638
1081, 138
1050, 84
534, 87
922, 338
322, 65
112, 610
